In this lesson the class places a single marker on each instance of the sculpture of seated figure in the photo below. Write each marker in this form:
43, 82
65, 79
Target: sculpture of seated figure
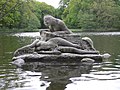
55, 25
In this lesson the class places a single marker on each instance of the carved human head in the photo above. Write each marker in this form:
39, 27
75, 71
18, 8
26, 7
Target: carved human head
48, 19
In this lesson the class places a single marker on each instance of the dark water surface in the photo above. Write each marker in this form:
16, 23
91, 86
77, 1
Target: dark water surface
34, 76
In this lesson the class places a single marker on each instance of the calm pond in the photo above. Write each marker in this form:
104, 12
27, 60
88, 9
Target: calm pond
103, 76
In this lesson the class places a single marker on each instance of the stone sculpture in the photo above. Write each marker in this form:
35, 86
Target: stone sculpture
58, 43
55, 24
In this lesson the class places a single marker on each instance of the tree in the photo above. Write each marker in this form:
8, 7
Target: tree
62, 5
7, 12
42, 9
70, 13
18, 14
106, 14
27, 17
92, 14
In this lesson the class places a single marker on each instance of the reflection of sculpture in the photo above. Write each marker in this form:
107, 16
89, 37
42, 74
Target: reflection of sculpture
55, 24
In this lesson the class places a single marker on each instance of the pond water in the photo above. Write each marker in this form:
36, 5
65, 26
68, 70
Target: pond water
34, 76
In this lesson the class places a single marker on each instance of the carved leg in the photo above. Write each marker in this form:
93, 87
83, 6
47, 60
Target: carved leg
75, 50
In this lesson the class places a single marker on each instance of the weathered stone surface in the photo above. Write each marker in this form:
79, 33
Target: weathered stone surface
64, 57
56, 47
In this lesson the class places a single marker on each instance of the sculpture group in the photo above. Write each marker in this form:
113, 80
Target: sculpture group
52, 40
59, 42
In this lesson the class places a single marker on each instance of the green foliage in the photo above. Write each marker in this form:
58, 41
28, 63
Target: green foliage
7, 6
28, 19
41, 9
83, 14
92, 14
23, 14
16, 14
62, 6
70, 14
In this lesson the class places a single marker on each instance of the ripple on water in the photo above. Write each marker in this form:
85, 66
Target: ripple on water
17, 79
30, 81
101, 33
35, 34
104, 76
94, 85
27, 34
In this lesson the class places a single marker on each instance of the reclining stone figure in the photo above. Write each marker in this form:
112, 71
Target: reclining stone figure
75, 50
52, 45
86, 42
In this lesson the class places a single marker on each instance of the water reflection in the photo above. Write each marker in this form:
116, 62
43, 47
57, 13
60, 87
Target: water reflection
28, 80
57, 75
94, 85
98, 79
34, 76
